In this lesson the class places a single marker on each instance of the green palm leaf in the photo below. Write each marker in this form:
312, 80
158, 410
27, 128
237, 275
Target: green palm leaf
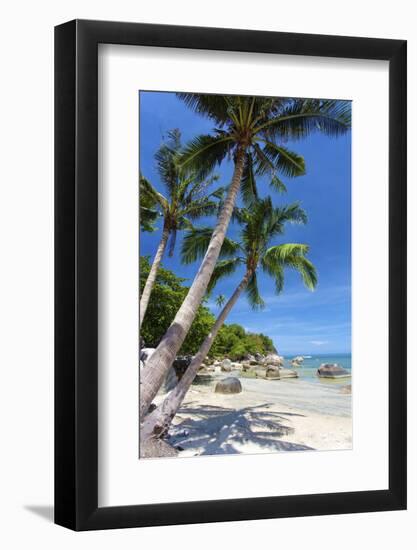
197, 188
292, 213
148, 218
290, 255
286, 162
283, 252
184, 223
223, 268
203, 153
252, 293
307, 271
248, 186
147, 190
211, 105
255, 227
300, 117
166, 160
200, 208
278, 184
196, 241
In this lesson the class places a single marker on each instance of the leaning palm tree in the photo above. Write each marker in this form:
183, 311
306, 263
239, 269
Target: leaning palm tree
251, 131
260, 226
186, 200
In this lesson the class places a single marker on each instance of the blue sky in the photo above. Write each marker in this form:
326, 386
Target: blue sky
298, 321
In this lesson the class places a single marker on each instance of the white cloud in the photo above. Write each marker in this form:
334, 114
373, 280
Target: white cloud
319, 342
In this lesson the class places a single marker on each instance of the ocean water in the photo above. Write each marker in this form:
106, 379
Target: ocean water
309, 392
308, 370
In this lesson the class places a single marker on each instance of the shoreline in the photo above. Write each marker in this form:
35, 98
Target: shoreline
267, 416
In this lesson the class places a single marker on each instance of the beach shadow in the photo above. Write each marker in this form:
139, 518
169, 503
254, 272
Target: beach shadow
218, 430
205, 380
45, 512
208, 410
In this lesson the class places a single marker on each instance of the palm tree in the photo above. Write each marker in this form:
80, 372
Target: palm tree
220, 300
186, 200
148, 213
251, 131
260, 226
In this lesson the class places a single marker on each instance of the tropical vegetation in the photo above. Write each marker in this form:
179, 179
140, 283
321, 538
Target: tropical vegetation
253, 132
169, 291
187, 200
261, 224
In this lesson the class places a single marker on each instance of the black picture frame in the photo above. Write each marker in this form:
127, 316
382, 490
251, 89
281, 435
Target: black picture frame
76, 272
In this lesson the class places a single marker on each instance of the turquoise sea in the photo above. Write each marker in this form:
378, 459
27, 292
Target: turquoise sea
308, 370
309, 392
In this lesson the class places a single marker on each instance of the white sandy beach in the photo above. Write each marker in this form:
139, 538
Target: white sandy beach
268, 416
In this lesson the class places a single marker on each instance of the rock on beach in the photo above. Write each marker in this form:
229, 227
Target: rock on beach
327, 370
273, 359
226, 365
228, 385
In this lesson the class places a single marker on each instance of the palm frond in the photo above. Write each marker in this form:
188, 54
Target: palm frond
286, 162
200, 208
278, 275
300, 117
184, 223
173, 139
212, 106
262, 164
166, 160
196, 241
248, 184
290, 255
147, 218
194, 188
241, 215
148, 211
307, 271
291, 213
252, 293
283, 252
219, 193
223, 268
264, 108
278, 184
148, 190
203, 153
256, 224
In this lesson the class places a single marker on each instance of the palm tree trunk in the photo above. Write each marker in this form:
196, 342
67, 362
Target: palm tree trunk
160, 362
157, 422
150, 281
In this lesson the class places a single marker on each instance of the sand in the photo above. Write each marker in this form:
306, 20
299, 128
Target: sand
268, 416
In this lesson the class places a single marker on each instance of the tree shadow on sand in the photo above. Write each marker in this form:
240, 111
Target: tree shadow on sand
218, 430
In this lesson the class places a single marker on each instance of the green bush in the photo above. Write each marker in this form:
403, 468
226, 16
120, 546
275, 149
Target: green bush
234, 342
166, 298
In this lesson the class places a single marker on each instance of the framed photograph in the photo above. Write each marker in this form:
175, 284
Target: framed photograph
230, 253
